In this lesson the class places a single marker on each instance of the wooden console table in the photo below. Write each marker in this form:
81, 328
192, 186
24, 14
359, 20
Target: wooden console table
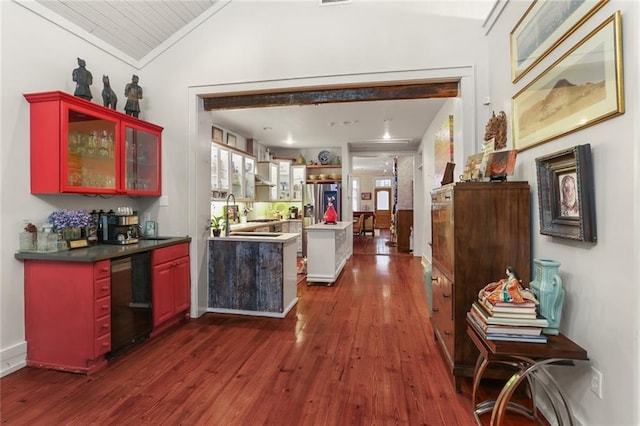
527, 359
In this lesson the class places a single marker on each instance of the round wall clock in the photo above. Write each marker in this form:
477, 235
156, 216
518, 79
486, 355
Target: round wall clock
324, 157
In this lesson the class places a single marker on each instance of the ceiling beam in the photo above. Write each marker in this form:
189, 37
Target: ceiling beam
332, 95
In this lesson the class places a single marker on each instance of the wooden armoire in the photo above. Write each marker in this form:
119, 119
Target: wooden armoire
478, 229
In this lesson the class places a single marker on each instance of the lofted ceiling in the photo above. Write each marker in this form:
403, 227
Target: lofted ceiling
136, 31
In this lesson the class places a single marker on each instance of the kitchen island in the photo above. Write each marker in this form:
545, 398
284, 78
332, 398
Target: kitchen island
329, 246
253, 273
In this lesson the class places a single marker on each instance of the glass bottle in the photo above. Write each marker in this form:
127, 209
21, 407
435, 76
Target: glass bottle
28, 241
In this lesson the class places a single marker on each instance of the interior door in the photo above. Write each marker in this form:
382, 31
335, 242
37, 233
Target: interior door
382, 203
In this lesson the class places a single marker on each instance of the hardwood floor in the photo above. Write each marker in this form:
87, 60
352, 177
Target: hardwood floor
360, 352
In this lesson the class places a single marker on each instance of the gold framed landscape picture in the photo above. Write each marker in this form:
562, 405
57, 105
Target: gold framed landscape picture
582, 88
544, 26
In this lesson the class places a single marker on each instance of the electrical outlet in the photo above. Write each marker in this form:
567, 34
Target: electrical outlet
596, 382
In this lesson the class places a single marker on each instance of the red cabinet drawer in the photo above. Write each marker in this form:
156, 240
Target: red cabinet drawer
102, 269
103, 325
166, 254
102, 288
102, 345
102, 307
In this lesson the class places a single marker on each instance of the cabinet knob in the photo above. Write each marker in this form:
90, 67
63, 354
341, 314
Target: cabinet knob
436, 310
447, 333
435, 278
445, 295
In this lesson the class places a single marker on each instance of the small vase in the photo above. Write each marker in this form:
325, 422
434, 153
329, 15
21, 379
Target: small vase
216, 232
72, 233
330, 216
547, 288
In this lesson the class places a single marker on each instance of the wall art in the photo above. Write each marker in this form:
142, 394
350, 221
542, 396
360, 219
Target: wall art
582, 88
566, 195
216, 134
442, 149
544, 26
231, 140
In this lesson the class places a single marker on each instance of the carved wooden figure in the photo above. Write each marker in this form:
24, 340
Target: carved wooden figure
497, 129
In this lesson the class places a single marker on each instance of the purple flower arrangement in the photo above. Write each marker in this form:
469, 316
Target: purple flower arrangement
69, 219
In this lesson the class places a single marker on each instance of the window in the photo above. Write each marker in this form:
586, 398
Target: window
355, 194
383, 182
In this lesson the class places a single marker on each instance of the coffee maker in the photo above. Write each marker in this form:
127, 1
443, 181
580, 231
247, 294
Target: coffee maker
120, 228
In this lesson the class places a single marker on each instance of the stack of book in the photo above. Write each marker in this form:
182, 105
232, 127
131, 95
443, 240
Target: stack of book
508, 321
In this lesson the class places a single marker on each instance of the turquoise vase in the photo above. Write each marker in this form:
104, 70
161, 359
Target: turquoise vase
547, 288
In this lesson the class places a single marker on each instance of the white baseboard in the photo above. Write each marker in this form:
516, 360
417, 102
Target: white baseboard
13, 358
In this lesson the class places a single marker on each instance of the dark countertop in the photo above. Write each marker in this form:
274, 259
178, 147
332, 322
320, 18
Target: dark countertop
103, 251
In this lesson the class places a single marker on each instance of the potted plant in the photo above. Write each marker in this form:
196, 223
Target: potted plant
217, 224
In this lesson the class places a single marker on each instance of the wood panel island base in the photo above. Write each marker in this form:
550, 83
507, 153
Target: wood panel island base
253, 274
329, 246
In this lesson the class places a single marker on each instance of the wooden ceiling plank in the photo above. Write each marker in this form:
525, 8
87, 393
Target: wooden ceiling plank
313, 97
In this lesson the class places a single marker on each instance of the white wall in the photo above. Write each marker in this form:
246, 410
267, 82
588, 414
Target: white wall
601, 280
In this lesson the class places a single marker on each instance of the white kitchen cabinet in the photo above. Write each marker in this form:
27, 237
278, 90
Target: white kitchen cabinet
219, 172
284, 180
232, 171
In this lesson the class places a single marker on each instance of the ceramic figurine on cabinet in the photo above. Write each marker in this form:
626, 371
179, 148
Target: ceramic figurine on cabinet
109, 98
133, 92
83, 78
507, 290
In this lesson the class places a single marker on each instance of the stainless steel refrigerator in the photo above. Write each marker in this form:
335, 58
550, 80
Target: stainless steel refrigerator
315, 200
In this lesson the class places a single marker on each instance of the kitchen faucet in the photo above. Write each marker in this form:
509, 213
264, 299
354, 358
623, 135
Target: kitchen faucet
227, 228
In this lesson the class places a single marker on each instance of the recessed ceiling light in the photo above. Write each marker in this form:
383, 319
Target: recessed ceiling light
266, 129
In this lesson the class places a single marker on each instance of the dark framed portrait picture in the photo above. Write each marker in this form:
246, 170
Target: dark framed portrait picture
566, 194
365, 196
216, 134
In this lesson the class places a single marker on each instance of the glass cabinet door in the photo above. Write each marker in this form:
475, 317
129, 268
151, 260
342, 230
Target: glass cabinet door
299, 176
215, 178
273, 177
284, 180
223, 172
237, 184
90, 153
249, 178
142, 161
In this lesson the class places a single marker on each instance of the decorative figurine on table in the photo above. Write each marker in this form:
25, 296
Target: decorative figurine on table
330, 216
547, 287
133, 92
83, 78
109, 98
507, 290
